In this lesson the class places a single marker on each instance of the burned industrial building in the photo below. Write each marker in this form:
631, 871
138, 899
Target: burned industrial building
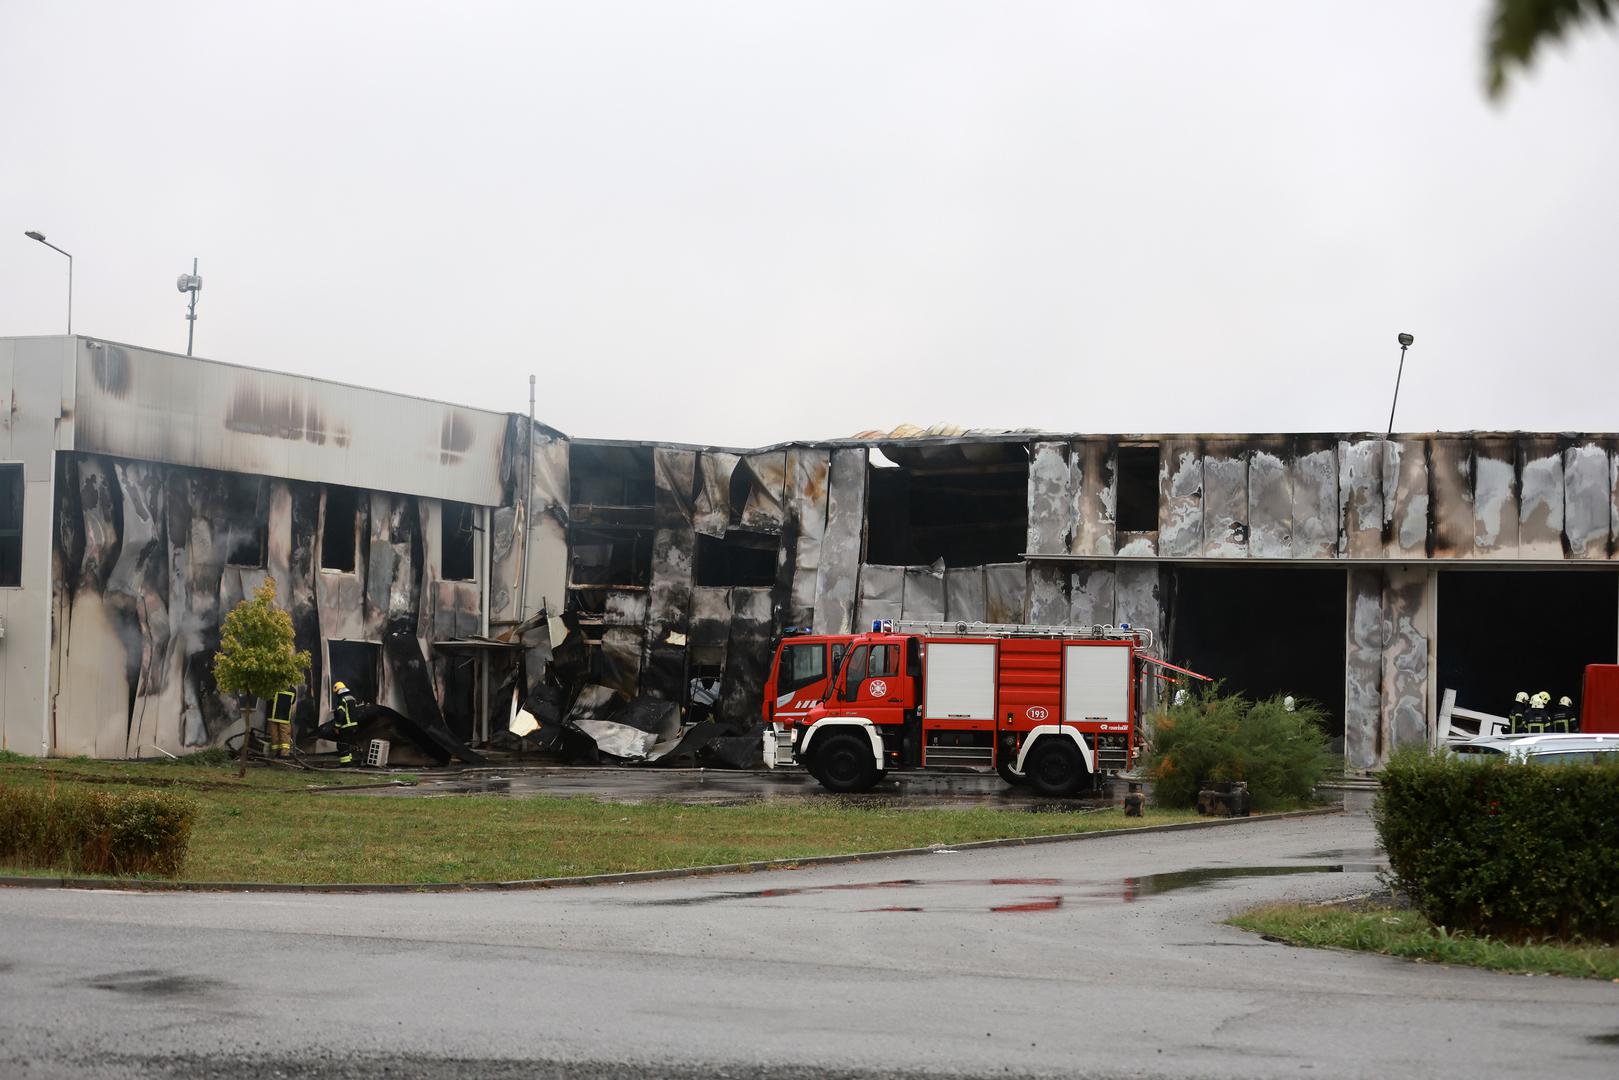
485, 572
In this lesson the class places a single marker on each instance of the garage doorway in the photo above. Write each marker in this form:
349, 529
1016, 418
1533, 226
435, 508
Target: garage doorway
1502, 631
1265, 630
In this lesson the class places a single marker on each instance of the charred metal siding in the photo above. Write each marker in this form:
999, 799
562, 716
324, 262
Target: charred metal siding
143, 583
180, 410
132, 457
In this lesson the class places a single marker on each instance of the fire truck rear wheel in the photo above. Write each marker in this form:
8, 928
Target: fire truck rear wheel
844, 763
1054, 767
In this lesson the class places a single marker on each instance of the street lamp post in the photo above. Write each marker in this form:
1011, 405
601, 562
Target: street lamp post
1405, 343
33, 235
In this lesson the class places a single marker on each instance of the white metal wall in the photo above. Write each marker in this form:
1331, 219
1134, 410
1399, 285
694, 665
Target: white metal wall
31, 383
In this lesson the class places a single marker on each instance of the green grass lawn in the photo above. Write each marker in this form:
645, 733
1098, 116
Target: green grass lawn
271, 827
1405, 933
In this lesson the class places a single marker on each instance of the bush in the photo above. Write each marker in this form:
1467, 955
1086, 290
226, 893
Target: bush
95, 832
1211, 736
1505, 848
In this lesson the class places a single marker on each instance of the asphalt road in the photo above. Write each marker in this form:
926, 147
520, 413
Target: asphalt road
1098, 958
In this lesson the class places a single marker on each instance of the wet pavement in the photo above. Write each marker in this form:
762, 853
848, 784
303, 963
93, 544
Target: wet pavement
727, 787
1099, 958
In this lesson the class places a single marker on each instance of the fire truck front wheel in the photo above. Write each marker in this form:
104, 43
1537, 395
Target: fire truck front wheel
843, 763
1054, 767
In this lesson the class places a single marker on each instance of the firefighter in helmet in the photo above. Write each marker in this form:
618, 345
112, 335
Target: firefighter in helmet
343, 721
1515, 719
280, 722
1563, 718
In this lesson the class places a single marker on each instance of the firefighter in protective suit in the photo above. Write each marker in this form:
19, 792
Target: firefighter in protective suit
344, 722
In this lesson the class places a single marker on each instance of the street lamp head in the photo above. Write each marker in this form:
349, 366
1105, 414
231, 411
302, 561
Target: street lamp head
1406, 340
32, 235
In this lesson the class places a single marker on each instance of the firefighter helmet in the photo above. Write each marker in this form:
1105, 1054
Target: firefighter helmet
340, 687
1523, 696
1565, 701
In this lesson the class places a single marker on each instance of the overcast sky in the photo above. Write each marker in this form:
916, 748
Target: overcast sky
739, 223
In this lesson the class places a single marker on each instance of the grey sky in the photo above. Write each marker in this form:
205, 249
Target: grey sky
744, 222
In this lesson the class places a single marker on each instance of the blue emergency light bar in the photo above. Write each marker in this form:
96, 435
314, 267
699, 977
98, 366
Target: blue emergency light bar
882, 626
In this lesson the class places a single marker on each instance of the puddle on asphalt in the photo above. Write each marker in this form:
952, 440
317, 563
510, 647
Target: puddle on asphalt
1175, 880
1125, 890
147, 982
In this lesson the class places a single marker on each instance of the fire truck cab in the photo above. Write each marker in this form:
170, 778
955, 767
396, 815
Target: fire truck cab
1053, 707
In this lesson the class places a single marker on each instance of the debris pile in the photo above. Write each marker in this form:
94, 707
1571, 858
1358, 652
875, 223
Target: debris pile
605, 726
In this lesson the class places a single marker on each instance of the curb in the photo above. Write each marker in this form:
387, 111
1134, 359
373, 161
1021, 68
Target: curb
144, 885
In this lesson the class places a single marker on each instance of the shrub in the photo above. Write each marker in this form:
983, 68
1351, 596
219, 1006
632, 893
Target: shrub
1211, 736
1505, 848
95, 832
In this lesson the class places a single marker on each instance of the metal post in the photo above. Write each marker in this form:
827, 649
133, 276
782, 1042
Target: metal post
1405, 343
191, 316
528, 508
33, 234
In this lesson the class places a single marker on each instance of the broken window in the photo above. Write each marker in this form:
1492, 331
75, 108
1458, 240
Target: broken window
742, 558
457, 550
605, 478
934, 503
609, 557
10, 526
246, 516
609, 524
356, 664
339, 539
1137, 499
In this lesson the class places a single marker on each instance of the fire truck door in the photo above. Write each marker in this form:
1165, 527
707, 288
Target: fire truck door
874, 683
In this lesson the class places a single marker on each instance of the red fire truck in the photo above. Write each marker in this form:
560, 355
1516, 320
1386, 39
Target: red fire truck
1055, 707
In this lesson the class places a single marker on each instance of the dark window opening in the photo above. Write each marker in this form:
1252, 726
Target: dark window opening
931, 508
456, 529
1502, 631
246, 513
608, 557
742, 558
1265, 631
1136, 505
801, 665
460, 704
11, 492
358, 665
604, 479
340, 536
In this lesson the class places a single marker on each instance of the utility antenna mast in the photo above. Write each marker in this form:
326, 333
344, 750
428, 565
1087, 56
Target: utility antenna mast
190, 283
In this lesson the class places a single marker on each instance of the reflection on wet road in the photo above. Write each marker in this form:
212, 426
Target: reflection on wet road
1003, 894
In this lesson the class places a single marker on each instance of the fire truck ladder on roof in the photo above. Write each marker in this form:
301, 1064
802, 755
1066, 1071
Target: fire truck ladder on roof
1095, 632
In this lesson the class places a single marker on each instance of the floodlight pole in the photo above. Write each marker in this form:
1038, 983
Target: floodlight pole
1405, 343
35, 235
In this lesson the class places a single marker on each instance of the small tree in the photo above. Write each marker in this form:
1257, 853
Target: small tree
255, 654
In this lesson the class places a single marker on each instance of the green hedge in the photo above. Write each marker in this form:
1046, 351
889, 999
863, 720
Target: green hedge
1513, 850
1281, 755
95, 832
